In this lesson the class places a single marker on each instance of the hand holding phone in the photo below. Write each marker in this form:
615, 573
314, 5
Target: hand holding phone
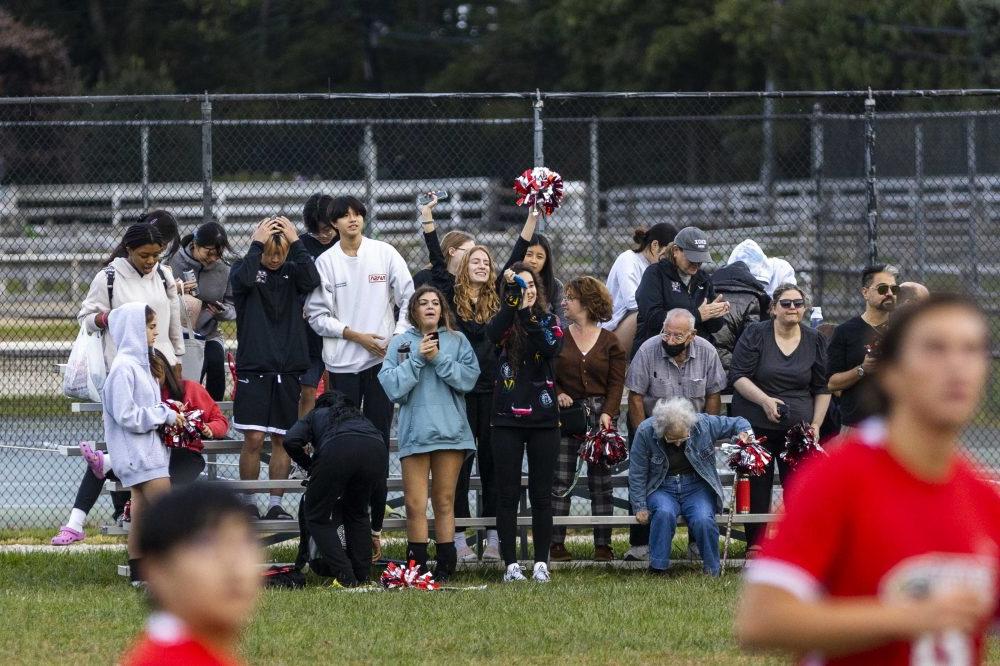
431, 198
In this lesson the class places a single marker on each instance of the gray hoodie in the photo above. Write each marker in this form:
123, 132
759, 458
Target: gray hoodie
213, 286
132, 405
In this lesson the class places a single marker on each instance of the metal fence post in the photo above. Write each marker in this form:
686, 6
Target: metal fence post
369, 160
918, 214
816, 140
977, 209
872, 216
537, 141
144, 151
594, 198
206, 160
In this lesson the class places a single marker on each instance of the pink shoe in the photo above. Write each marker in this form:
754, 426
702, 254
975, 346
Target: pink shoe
94, 458
67, 536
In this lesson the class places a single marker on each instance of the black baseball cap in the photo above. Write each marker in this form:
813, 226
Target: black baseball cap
694, 243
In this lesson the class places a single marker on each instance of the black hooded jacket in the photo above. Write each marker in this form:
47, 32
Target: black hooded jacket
270, 329
660, 291
748, 303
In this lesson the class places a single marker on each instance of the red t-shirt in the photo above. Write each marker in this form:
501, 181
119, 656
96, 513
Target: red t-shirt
166, 643
858, 524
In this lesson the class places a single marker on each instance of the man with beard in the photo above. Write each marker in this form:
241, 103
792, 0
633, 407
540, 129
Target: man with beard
675, 364
853, 351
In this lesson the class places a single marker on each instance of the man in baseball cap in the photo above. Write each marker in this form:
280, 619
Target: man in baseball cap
694, 243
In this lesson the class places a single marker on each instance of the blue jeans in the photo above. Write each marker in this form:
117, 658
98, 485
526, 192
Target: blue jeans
687, 495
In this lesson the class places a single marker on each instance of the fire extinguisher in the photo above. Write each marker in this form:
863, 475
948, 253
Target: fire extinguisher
743, 494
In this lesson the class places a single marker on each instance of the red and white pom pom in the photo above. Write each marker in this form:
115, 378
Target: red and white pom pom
539, 187
396, 577
748, 457
187, 436
801, 443
606, 447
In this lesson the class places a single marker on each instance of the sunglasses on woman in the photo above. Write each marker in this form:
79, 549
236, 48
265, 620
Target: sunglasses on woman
884, 289
789, 303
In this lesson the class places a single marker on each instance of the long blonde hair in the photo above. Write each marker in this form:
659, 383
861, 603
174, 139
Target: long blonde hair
453, 240
488, 302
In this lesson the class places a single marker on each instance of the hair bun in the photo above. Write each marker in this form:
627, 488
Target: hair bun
639, 236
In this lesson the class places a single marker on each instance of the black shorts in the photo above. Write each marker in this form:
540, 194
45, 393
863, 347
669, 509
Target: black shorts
266, 402
312, 376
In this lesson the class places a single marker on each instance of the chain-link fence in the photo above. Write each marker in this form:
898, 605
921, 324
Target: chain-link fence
826, 180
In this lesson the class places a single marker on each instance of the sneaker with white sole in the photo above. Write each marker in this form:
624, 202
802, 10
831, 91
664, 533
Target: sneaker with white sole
637, 554
513, 574
541, 573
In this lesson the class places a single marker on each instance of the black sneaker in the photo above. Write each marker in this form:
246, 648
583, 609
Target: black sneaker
252, 510
277, 513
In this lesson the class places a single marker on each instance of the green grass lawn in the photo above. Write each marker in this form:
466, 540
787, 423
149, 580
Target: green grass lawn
74, 609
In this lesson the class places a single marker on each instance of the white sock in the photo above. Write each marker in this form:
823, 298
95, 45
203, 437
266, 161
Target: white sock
461, 541
106, 458
76, 520
273, 501
492, 537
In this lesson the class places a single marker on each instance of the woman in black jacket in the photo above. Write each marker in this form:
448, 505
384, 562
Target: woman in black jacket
525, 414
445, 254
346, 474
678, 281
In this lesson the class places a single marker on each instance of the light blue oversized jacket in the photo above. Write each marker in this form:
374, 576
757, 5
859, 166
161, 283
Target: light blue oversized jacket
431, 394
132, 405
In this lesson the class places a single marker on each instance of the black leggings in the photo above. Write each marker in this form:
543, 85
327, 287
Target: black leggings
185, 467
478, 407
213, 372
341, 481
509, 445
761, 487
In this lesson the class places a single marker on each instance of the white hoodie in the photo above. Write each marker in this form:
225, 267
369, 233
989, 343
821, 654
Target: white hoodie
358, 293
132, 405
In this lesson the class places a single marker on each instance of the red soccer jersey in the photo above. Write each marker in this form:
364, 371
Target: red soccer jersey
166, 643
858, 524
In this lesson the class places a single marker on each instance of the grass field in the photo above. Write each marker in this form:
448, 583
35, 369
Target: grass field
74, 609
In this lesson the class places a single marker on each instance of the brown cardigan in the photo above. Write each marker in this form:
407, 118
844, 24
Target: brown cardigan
600, 373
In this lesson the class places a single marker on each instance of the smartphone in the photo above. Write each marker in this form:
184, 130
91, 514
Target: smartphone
783, 411
423, 199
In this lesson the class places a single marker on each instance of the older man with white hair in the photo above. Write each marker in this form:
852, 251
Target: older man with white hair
672, 474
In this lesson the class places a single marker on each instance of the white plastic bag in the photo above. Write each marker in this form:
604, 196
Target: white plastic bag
85, 371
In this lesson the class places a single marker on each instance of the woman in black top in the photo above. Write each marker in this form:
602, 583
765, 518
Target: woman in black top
445, 254
779, 373
536, 252
525, 414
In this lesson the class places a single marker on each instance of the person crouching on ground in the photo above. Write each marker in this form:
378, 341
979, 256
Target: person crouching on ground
346, 473
672, 474
203, 566
133, 410
428, 370
272, 351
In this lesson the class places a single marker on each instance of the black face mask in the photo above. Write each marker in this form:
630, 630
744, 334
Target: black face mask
673, 351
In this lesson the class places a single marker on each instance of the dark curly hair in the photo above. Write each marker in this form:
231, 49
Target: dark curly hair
594, 297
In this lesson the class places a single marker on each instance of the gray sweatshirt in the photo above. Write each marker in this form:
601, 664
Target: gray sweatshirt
132, 405
213, 286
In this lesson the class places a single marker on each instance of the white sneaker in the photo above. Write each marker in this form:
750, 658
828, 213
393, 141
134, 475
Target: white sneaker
492, 551
513, 574
637, 554
541, 573
465, 554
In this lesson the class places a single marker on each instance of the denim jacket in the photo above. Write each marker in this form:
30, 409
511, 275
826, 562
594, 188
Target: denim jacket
647, 467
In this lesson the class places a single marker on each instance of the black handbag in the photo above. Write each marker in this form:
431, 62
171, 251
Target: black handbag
574, 421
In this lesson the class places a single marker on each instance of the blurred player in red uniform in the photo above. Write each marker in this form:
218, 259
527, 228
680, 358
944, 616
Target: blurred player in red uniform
888, 553
202, 568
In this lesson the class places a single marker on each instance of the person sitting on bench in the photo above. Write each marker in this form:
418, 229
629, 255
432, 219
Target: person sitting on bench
672, 473
346, 473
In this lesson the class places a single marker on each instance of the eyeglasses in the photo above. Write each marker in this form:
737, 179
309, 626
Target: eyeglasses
884, 289
674, 337
789, 303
